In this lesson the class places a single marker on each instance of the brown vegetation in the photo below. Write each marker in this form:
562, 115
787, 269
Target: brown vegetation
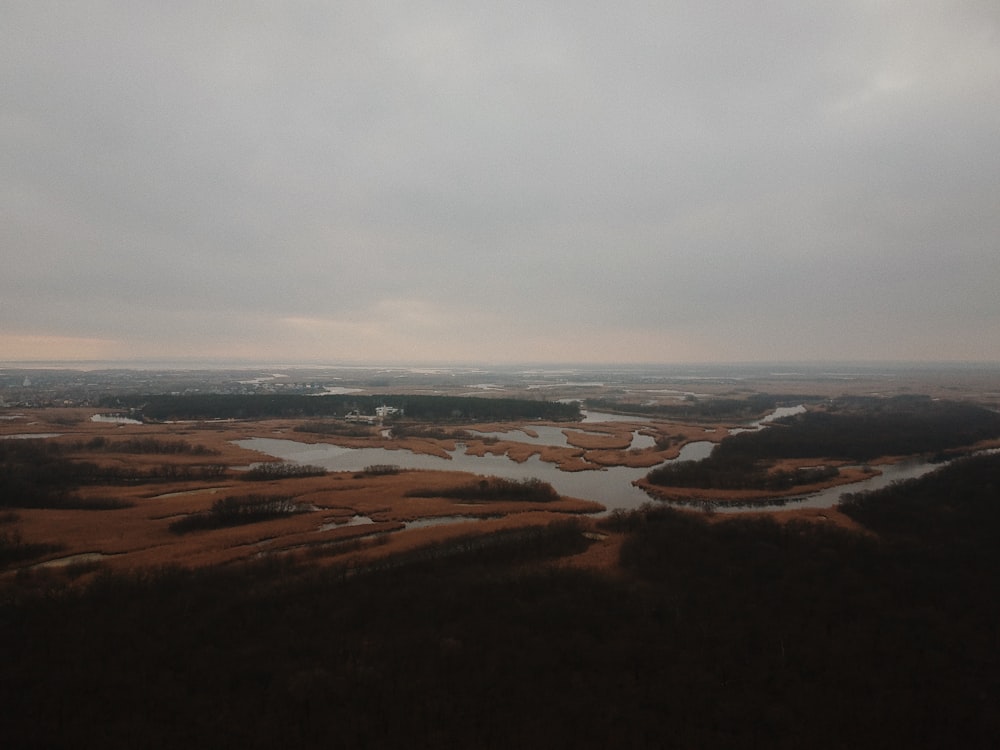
139, 535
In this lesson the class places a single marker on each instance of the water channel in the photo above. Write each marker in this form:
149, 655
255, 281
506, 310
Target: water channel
612, 486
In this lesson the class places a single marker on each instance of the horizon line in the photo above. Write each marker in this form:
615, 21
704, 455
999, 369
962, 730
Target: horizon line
199, 363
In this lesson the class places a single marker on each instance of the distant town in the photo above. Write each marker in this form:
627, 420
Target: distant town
72, 384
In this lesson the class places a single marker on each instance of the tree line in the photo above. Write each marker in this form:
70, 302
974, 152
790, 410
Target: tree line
162, 407
715, 409
493, 489
268, 470
861, 429
140, 445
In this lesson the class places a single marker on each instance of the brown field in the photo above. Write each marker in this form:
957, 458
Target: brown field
138, 536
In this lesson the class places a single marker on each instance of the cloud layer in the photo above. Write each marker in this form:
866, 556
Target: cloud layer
495, 183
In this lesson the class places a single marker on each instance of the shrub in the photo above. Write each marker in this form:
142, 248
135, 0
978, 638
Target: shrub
494, 489
377, 470
278, 470
236, 511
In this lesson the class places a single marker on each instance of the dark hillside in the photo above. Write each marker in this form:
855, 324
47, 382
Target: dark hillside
736, 633
856, 430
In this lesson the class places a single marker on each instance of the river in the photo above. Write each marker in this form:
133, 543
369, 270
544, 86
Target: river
612, 486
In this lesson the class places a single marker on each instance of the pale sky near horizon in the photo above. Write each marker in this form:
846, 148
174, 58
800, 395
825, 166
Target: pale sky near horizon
500, 182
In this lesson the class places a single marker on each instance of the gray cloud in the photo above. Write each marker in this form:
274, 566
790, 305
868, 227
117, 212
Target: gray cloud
558, 181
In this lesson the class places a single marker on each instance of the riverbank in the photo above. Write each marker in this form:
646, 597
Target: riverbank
696, 497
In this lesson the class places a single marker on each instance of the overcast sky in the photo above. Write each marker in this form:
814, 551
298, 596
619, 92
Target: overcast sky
690, 181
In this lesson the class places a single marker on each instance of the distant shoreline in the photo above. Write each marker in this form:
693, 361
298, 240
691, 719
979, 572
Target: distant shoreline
774, 369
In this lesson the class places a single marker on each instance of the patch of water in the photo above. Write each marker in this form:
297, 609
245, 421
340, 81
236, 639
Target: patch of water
600, 416
206, 490
355, 520
760, 424
114, 419
62, 562
336, 390
641, 442
423, 523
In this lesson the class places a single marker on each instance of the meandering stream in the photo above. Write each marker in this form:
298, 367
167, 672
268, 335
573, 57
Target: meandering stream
612, 486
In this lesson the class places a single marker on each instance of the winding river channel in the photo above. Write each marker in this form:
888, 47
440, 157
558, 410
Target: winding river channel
611, 486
